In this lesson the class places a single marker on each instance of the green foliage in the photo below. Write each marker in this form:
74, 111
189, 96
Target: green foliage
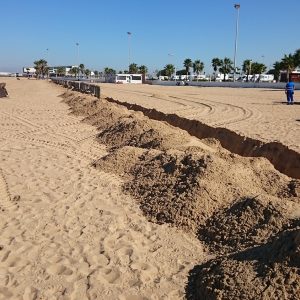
61, 71
187, 64
109, 71
142, 69
133, 68
226, 66
216, 63
41, 68
169, 70
258, 68
198, 66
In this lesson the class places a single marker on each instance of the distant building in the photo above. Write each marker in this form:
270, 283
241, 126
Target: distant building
52, 70
295, 75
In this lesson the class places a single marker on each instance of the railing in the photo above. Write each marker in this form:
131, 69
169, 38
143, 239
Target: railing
79, 86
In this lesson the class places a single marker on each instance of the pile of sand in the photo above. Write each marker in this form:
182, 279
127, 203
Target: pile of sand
231, 202
3, 91
269, 271
248, 222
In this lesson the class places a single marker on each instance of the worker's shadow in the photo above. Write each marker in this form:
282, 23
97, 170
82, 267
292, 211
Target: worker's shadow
284, 102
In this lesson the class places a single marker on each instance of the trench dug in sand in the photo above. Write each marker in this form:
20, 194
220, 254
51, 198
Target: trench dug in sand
243, 209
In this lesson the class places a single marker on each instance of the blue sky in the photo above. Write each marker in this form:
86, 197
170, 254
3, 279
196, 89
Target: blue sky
195, 29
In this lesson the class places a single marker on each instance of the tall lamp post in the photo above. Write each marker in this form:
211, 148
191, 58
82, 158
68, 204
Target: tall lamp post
129, 35
237, 7
77, 45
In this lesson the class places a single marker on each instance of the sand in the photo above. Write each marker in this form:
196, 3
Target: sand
258, 113
99, 202
67, 231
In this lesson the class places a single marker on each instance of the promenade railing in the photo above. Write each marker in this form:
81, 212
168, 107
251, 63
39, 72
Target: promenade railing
79, 86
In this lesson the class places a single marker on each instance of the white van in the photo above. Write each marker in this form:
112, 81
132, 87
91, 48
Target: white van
128, 78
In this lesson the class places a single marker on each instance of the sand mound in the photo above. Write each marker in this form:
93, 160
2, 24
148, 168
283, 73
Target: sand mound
140, 132
270, 271
3, 91
246, 223
232, 202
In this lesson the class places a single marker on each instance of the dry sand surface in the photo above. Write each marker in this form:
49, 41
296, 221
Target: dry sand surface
258, 113
100, 202
67, 231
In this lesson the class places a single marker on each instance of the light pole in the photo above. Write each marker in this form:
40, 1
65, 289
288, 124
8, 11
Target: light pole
77, 45
237, 7
129, 35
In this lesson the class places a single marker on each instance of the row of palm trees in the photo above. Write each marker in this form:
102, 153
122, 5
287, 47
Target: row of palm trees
225, 66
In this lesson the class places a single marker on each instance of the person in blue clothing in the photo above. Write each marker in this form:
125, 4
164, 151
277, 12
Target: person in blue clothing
289, 91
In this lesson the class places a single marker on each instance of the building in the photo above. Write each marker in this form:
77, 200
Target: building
295, 75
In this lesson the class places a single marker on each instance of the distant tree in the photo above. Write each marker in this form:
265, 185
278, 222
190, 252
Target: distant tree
87, 73
297, 57
247, 67
187, 64
226, 66
289, 64
198, 66
120, 72
74, 71
181, 72
125, 72
41, 68
169, 70
277, 68
143, 69
216, 63
96, 73
258, 68
61, 71
133, 68
110, 71
81, 69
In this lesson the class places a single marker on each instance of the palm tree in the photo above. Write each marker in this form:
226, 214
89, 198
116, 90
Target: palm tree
247, 67
297, 57
216, 63
187, 64
133, 68
41, 68
61, 71
169, 70
289, 64
74, 71
226, 66
96, 73
87, 73
81, 69
143, 69
277, 68
258, 68
198, 66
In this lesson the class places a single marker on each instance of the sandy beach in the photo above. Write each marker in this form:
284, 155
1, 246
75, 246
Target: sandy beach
99, 202
258, 113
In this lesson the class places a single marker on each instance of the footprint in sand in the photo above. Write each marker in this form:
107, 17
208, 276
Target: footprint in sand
58, 269
147, 272
110, 275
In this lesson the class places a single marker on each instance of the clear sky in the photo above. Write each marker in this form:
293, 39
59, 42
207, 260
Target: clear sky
196, 29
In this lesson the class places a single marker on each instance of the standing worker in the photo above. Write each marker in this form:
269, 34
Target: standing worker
289, 91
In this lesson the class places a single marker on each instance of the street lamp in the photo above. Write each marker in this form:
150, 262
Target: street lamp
129, 35
237, 7
77, 44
